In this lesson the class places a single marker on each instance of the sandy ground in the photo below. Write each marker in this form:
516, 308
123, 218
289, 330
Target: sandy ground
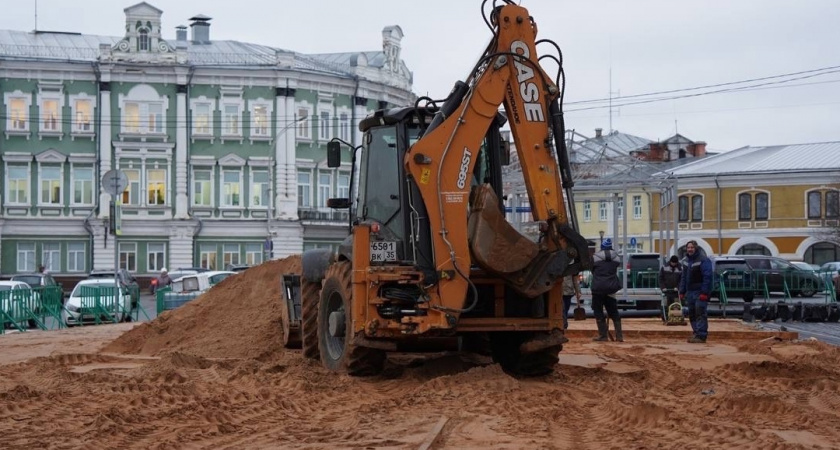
178, 383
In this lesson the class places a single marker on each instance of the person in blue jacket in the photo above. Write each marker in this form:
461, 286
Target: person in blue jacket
695, 290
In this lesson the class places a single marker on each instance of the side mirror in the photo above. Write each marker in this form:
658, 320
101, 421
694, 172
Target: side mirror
333, 154
338, 203
505, 156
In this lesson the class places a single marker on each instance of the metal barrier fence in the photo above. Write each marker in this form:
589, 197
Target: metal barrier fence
165, 299
29, 308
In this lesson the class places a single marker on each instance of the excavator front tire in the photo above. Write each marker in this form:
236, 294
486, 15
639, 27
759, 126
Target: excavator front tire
338, 353
310, 297
505, 346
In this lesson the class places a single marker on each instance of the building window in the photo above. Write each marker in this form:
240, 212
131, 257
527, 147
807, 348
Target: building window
304, 187
695, 212
230, 119
18, 109
131, 194
343, 190
744, 206
26, 257
253, 254
602, 211
51, 256
128, 256
202, 119
344, 127
324, 188
231, 187
156, 183
762, 206
620, 207
143, 40
259, 121
303, 125
832, 204
230, 255
50, 115
637, 206
202, 188
143, 117
324, 126
76, 257
50, 185
814, 205
82, 185
156, 256
83, 116
259, 188
18, 185
587, 211
207, 257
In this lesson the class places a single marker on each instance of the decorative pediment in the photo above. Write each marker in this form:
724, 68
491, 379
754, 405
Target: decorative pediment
143, 9
51, 156
231, 159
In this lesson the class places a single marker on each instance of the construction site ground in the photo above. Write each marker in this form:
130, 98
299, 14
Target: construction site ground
213, 375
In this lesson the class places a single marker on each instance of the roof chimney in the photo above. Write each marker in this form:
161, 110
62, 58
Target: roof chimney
598, 132
181, 33
200, 29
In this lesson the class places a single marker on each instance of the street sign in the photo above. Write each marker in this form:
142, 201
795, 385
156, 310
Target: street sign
114, 182
632, 242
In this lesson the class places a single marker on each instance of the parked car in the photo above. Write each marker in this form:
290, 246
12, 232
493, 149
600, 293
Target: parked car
736, 275
38, 279
216, 276
74, 313
777, 274
9, 291
127, 281
183, 290
237, 267
805, 266
832, 268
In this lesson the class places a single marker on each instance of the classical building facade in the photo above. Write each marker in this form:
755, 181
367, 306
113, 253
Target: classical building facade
223, 145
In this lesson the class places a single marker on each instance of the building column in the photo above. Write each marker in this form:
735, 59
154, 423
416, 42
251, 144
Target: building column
285, 171
181, 197
181, 244
104, 144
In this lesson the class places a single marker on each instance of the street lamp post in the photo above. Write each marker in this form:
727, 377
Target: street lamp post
601, 233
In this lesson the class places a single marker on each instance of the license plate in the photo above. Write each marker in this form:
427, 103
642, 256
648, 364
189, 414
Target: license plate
381, 251
735, 277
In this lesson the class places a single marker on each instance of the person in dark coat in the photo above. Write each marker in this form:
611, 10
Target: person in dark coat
605, 284
696, 288
669, 279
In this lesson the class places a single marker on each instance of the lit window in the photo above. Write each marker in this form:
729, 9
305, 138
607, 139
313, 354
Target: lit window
259, 126
83, 114
156, 182
131, 194
253, 254
50, 185
18, 190
202, 119
259, 188
50, 115
18, 114
230, 126
231, 188
230, 255
143, 117
207, 257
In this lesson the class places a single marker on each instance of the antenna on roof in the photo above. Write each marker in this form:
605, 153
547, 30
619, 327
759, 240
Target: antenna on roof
36, 15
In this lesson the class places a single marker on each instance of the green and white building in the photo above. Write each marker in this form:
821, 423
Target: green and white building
223, 144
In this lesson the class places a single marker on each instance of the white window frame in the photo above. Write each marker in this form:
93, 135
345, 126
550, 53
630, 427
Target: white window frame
144, 41
226, 200
344, 126
303, 129
227, 249
16, 126
76, 257
603, 214
59, 181
77, 128
324, 189
135, 181
231, 120
324, 126
153, 250
144, 96
587, 211
253, 254
27, 183
304, 191
620, 201
128, 249
51, 256
265, 135
27, 251
81, 186
197, 132
50, 126
259, 192
156, 167
342, 189
208, 256
205, 184
637, 207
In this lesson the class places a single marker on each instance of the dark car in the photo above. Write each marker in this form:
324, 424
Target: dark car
38, 279
643, 270
127, 281
237, 267
774, 274
735, 275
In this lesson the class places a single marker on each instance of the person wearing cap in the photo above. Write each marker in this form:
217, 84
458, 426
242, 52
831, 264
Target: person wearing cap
696, 288
162, 280
605, 284
669, 279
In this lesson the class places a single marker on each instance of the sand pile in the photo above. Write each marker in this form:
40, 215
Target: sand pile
237, 318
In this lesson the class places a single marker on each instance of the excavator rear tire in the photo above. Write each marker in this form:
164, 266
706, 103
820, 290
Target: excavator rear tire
310, 297
506, 352
338, 353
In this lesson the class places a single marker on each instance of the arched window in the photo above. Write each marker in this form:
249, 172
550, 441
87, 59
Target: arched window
691, 208
822, 252
753, 249
143, 40
746, 200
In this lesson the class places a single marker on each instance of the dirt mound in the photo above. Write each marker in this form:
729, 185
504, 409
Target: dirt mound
237, 318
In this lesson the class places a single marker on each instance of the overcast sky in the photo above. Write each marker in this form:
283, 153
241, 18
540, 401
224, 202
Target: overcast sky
647, 45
